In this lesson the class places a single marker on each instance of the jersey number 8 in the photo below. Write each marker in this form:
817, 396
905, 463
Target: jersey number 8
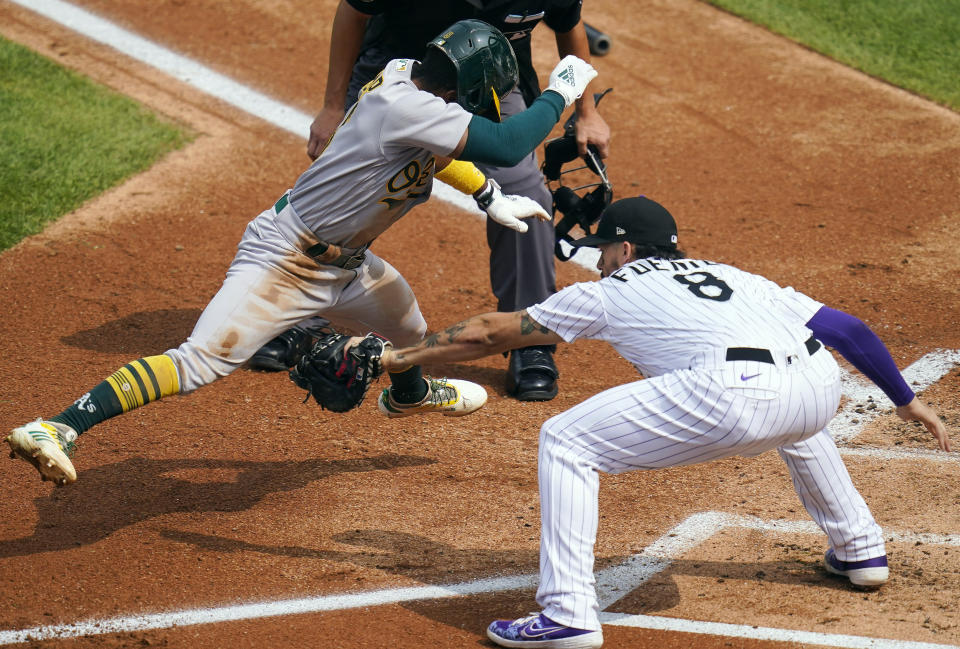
705, 285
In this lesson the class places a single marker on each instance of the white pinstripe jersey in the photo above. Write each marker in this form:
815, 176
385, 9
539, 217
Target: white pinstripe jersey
664, 315
380, 161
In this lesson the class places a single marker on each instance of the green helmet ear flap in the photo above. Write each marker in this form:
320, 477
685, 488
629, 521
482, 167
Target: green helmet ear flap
485, 63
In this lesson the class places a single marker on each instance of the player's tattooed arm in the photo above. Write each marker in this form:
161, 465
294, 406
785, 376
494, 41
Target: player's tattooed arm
414, 355
449, 335
445, 345
528, 325
482, 335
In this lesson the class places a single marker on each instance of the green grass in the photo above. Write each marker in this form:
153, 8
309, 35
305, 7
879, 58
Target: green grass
914, 44
64, 140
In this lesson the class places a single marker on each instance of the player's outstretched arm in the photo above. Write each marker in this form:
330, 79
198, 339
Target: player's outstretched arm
476, 337
507, 143
919, 411
857, 343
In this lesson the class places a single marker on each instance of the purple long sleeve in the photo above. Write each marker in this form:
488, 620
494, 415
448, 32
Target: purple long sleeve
857, 343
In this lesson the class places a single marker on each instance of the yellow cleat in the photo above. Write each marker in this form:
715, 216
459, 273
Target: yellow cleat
47, 445
449, 397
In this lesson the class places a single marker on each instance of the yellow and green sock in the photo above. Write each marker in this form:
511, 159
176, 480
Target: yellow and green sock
133, 385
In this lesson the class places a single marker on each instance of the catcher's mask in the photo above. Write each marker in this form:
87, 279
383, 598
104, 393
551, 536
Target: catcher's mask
485, 62
575, 209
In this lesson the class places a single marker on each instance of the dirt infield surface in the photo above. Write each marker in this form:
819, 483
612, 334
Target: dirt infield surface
353, 531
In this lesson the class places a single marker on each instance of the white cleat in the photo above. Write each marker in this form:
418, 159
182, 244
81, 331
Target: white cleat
449, 397
870, 573
46, 445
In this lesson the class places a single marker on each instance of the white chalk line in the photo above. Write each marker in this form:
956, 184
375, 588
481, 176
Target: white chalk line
612, 584
261, 610
180, 67
882, 453
722, 629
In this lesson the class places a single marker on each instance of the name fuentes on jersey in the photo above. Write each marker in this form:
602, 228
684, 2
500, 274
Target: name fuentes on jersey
700, 283
644, 266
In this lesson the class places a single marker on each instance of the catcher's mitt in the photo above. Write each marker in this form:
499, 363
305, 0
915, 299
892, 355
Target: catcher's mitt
336, 378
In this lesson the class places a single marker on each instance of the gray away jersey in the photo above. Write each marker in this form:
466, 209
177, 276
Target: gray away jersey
664, 315
380, 161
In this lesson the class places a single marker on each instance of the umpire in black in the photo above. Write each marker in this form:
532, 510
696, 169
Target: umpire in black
365, 35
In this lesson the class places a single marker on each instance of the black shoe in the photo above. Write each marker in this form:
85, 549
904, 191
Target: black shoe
282, 352
532, 375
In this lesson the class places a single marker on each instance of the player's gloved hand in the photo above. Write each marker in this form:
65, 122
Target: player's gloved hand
570, 78
338, 371
506, 209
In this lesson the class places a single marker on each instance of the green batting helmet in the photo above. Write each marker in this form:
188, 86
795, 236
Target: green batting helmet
485, 62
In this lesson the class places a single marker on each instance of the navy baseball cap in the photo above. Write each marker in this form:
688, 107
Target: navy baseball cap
637, 220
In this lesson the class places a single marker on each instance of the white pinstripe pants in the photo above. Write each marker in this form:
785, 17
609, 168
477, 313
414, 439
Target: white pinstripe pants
687, 417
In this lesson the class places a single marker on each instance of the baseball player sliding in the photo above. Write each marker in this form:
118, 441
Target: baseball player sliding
735, 365
307, 254
364, 36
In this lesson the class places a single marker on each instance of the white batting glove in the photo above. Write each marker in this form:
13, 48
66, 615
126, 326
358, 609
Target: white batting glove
506, 209
570, 78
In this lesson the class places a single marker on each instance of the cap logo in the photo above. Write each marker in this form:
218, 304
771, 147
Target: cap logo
673, 238
620, 231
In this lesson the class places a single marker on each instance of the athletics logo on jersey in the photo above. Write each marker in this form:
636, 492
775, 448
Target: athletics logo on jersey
402, 65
